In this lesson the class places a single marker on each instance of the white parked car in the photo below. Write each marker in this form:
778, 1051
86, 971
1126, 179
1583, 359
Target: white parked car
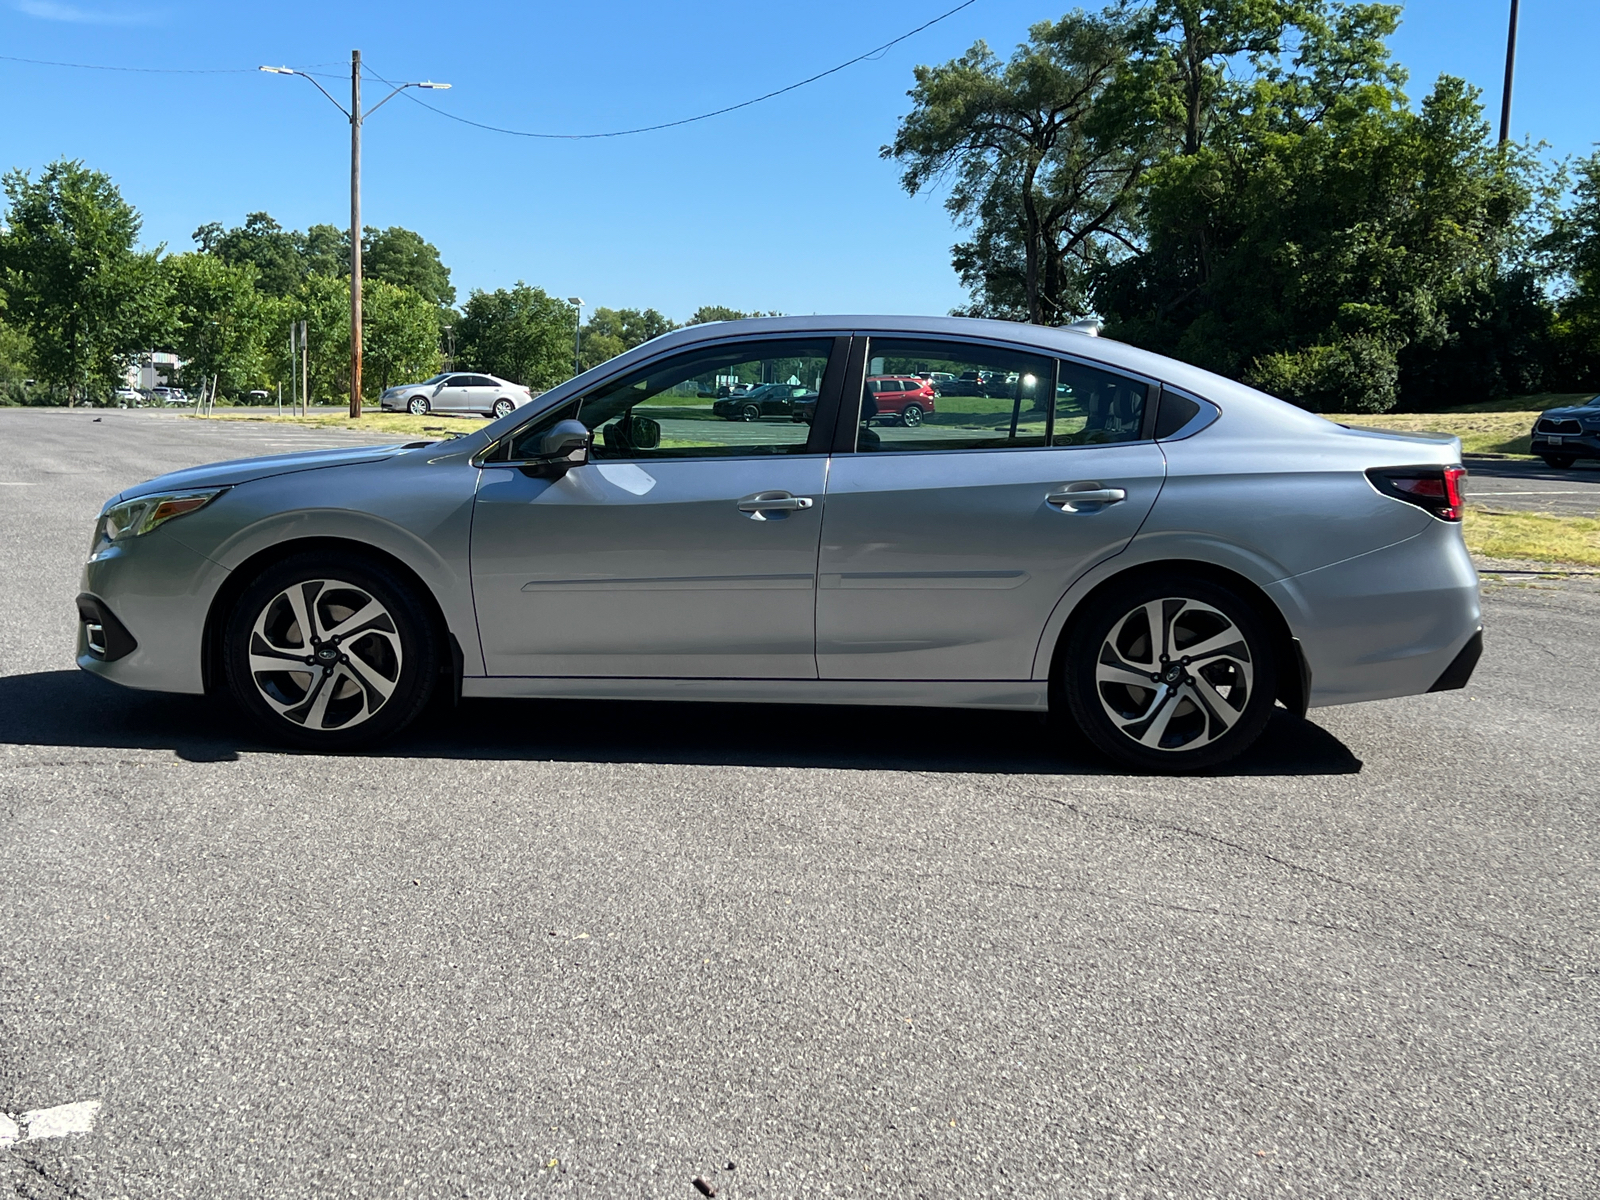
457, 392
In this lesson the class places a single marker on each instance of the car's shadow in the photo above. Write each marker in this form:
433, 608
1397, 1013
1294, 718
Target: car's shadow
70, 708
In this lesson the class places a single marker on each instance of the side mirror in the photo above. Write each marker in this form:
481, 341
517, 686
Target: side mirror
567, 442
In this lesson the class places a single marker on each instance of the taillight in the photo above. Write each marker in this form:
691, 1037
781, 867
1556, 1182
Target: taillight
1437, 489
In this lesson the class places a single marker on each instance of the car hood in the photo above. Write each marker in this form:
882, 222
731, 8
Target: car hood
1573, 410
243, 470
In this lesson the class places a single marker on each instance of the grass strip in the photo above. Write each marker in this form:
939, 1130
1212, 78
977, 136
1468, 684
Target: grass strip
1532, 537
430, 425
1480, 432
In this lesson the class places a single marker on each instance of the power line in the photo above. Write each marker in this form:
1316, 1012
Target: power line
576, 137
45, 62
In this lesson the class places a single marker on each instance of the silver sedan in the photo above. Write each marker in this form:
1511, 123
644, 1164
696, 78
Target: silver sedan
1157, 554
457, 392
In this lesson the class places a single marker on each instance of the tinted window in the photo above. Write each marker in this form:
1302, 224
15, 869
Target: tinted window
1094, 405
459, 381
992, 397
692, 405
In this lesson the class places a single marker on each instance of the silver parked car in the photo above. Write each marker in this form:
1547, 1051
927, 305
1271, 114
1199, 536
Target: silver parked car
1157, 553
457, 392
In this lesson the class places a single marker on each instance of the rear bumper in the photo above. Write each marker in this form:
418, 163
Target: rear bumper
1399, 621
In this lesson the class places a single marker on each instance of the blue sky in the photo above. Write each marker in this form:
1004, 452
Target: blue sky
782, 206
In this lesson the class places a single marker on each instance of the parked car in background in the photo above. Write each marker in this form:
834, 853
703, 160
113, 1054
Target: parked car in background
901, 399
258, 396
1561, 436
1163, 583
457, 392
765, 400
127, 397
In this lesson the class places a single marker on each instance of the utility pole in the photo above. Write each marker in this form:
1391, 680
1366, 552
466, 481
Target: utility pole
356, 118
305, 372
355, 233
1511, 62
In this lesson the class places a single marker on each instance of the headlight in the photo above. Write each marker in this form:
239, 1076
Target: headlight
135, 518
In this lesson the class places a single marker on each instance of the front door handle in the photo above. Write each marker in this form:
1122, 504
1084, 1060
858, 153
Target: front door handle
764, 506
1085, 497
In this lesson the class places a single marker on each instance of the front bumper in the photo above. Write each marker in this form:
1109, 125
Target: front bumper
1579, 445
158, 592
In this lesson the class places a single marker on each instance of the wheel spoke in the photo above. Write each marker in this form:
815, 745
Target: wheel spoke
1227, 642
368, 678
1219, 710
1112, 669
368, 613
1156, 619
1165, 706
264, 663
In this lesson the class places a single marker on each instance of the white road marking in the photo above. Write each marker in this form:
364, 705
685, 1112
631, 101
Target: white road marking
11, 483
41, 1123
1541, 492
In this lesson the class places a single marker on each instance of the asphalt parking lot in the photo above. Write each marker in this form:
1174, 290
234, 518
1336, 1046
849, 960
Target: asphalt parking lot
604, 949
1530, 486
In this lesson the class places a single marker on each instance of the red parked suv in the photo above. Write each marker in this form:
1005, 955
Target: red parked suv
903, 398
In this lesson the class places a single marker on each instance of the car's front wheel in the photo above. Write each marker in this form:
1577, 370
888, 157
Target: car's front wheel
327, 653
751, 412
1559, 461
1170, 675
418, 406
502, 406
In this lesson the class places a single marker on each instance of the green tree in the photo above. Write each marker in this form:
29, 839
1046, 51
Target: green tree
86, 298
718, 312
399, 335
262, 243
403, 258
522, 334
1322, 238
611, 331
1575, 243
325, 250
1042, 160
220, 322
16, 357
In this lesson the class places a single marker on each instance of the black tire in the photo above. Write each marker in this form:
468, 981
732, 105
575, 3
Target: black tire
911, 415
401, 652
1559, 461
1196, 733
418, 406
502, 406
751, 412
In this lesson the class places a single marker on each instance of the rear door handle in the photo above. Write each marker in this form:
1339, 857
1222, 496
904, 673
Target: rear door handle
1085, 497
779, 503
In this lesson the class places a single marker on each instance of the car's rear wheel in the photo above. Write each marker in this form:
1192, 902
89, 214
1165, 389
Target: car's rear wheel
1559, 461
502, 406
418, 406
751, 412
327, 653
1170, 675
911, 415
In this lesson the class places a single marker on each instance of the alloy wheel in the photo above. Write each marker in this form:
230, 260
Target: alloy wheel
751, 412
418, 406
911, 416
1174, 674
325, 654
502, 407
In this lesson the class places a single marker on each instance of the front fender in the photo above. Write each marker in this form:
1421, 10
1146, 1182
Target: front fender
419, 511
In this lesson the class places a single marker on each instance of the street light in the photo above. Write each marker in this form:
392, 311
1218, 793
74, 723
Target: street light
577, 337
356, 118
